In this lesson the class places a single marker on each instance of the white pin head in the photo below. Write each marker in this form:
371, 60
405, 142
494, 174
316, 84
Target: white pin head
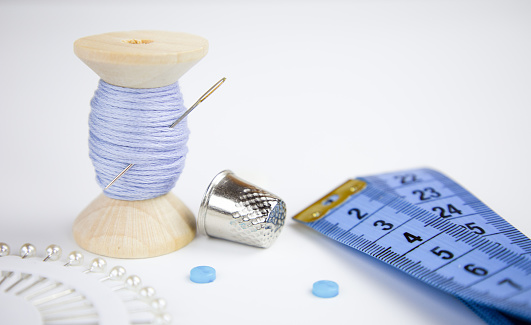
117, 273
159, 305
4, 249
27, 250
133, 282
53, 253
97, 265
163, 319
147, 293
75, 258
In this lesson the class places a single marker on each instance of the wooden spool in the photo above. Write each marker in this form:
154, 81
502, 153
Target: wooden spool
153, 227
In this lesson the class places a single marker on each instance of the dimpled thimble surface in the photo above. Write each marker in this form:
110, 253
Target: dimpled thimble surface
235, 210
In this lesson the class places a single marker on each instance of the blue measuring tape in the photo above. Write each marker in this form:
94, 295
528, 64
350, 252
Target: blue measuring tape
428, 226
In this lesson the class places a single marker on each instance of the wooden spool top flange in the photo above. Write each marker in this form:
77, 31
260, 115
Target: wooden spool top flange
141, 59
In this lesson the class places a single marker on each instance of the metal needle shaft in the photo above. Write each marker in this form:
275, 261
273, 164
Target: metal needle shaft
188, 111
199, 101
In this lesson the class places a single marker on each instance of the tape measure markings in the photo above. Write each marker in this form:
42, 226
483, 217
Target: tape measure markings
409, 266
492, 274
402, 182
486, 271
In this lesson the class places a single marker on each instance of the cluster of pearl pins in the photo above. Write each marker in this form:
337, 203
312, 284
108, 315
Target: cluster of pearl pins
59, 303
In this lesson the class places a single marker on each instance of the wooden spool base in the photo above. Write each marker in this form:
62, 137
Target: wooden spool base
134, 229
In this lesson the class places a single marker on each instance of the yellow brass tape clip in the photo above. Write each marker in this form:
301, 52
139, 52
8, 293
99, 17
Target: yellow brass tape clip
330, 201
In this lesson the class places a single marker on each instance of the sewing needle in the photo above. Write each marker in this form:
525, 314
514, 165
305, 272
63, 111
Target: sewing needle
188, 111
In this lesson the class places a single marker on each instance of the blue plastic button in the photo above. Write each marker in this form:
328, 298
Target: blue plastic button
203, 274
325, 289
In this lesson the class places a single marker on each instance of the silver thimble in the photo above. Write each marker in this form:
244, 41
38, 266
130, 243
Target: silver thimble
235, 210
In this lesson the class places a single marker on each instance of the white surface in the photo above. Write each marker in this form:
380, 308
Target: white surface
316, 92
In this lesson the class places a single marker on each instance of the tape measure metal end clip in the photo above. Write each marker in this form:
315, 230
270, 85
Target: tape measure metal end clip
330, 201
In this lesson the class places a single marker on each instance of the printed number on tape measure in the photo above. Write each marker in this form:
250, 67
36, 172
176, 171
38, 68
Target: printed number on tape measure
428, 226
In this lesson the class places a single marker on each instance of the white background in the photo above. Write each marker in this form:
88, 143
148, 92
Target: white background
317, 92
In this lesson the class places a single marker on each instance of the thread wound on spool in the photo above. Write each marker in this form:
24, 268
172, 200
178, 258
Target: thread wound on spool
132, 126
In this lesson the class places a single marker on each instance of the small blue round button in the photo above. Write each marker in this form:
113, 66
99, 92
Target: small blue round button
325, 289
203, 274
